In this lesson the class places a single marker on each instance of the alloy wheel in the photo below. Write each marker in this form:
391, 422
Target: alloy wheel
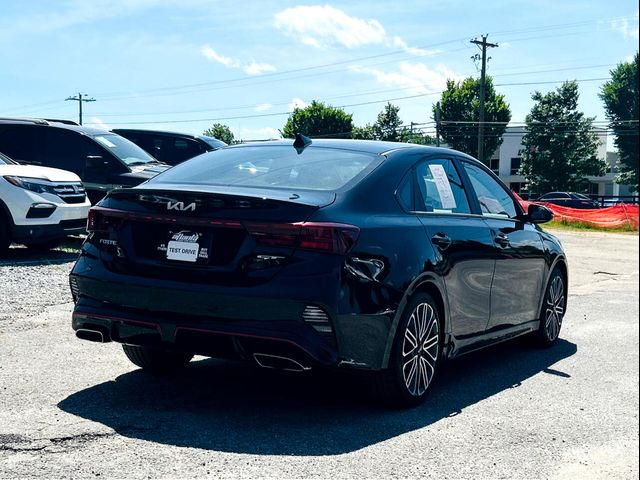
555, 308
420, 349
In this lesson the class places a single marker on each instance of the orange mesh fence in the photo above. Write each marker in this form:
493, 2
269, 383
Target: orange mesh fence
621, 215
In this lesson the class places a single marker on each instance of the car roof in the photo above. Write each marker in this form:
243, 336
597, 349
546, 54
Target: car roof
154, 132
56, 123
375, 147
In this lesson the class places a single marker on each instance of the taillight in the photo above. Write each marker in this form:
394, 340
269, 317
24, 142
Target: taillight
99, 221
320, 236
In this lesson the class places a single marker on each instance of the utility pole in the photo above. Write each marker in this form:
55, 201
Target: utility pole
438, 124
79, 99
483, 44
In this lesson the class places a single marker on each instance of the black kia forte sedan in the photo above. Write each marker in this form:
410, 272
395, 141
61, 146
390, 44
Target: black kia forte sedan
376, 256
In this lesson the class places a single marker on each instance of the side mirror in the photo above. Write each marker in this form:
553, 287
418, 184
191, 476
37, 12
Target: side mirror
539, 214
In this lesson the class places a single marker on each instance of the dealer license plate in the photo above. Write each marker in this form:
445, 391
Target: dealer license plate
183, 251
183, 247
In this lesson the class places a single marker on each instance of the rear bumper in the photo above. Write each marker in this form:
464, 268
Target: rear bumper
205, 336
227, 322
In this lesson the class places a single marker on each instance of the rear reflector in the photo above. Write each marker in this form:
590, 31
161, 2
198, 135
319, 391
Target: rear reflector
317, 318
319, 236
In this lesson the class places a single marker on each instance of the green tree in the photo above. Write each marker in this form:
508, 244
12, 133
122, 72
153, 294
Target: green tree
460, 112
620, 97
318, 120
407, 136
559, 144
387, 126
221, 132
364, 133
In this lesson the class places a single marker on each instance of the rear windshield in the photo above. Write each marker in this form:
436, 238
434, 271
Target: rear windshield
212, 142
271, 166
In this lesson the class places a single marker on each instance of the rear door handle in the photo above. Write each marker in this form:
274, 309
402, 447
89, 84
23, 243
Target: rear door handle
441, 241
502, 240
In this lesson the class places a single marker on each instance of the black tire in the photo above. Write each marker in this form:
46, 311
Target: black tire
156, 359
553, 309
416, 355
5, 234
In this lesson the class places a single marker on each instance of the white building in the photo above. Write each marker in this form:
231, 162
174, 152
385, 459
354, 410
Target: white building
506, 163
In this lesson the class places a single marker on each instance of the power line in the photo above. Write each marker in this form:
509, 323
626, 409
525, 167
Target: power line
294, 70
372, 102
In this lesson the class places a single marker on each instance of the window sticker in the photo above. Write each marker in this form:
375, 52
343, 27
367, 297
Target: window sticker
441, 180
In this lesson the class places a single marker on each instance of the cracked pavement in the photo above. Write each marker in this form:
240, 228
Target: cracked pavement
74, 409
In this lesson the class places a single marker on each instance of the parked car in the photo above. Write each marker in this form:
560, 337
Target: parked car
375, 256
103, 160
171, 147
568, 199
39, 205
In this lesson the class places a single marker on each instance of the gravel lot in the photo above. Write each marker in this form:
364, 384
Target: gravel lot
73, 409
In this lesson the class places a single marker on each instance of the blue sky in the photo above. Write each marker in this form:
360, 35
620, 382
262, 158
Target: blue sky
182, 65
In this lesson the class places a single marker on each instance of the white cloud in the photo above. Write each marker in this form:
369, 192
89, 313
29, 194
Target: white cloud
296, 103
417, 78
323, 25
263, 107
265, 133
627, 28
255, 68
252, 68
400, 43
211, 54
97, 122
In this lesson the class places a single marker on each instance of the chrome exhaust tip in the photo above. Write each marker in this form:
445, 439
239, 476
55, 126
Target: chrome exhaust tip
91, 335
266, 360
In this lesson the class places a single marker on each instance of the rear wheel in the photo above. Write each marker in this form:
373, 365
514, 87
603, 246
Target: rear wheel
553, 310
415, 356
156, 359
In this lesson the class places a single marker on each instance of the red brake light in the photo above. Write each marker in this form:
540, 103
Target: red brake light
99, 220
94, 219
320, 236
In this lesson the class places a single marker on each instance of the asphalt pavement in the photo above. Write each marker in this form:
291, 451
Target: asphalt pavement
74, 409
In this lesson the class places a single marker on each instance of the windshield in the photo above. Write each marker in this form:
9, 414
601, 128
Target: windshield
271, 166
125, 150
4, 160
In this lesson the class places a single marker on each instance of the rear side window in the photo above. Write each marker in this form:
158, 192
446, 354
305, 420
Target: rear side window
493, 198
181, 149
21, 143
64, 150
440, 188
271, 166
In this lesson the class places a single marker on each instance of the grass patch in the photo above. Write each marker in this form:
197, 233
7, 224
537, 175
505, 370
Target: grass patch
585, 227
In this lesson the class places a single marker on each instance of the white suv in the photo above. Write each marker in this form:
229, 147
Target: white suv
39, 205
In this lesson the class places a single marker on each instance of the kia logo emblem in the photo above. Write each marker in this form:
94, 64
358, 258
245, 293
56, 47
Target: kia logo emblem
181, 206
